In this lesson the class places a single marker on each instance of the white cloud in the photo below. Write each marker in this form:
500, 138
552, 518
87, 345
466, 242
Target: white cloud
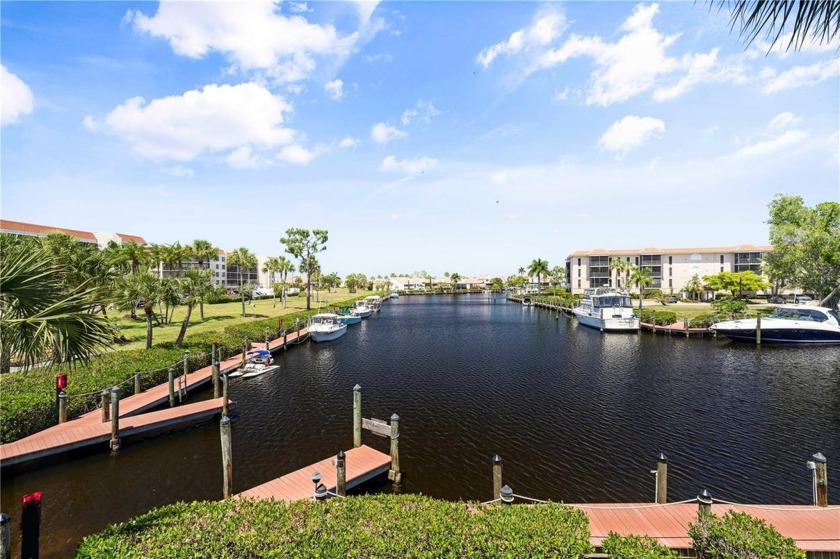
178, 171
348, 142
17, 98
784, 120
252, 36
214, 119
335, 89
799, 76
562, 95
423, 111
630, 132
244, 158
767, 147
299, 7
548, 24
414, 166
383, 133
297, 155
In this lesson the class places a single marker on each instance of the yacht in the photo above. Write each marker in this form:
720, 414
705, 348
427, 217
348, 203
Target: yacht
608, 309
361, 309
788, 324
326, 326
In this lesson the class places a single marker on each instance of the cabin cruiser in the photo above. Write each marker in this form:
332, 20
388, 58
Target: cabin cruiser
608, 309
373, 302
788, 324
361, 309
345, 315
326, 326
257, 362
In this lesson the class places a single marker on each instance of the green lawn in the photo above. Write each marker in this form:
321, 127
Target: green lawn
691, 310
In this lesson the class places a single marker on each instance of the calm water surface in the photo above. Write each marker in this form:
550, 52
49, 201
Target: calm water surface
577, 416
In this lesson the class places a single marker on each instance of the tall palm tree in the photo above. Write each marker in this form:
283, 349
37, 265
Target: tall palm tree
272, 266
194, 285
41, 320
242, 258
143, 287
284, 266
454, 278
623, 266
642, 278
539, 268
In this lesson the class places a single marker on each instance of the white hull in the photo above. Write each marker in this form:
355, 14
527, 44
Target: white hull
257, 371
327, 335
624, 324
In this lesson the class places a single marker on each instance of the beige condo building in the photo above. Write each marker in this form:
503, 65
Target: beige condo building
671, 268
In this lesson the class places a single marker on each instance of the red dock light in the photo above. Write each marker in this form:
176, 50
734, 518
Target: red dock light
30, 525
60, 383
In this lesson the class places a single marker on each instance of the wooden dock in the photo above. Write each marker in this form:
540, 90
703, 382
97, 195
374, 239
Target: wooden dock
815, 529
362, 463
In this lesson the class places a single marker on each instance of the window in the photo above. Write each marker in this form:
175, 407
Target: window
578, 283
599, 267
721, 268
578, 261
670, 271
670, 283
748, 262
670, 260
578, 274
637, 261
721, 259
598, 282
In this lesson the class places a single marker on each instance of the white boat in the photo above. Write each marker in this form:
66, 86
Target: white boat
362, 310
326, 326
373, 302
395, 295
527, 302
257, 362
349, 319
607, 309
788, 324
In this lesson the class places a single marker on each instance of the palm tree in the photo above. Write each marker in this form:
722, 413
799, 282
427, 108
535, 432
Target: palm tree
242, 258
623, 267
143, 288
810, 20
203, 250
539, 268
272, 266
641, 277
284, 266
170, 297
41, 320
454, 278
194, 285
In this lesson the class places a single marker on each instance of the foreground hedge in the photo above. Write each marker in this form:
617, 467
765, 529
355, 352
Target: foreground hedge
381, 526
27, 399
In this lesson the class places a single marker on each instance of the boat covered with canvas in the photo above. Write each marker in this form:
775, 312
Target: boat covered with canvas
607, 309
788, 324
326, 326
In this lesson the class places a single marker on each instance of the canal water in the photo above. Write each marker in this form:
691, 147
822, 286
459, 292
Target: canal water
576, 415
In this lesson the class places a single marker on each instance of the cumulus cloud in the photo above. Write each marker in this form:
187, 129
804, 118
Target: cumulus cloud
245, 158
784, 120
414, 166
297, 155
630, 132
800, 76
252, 35
423, 111
768, 147
348, 142
383, 133
17, 98
548, 24
335, 89
216, 118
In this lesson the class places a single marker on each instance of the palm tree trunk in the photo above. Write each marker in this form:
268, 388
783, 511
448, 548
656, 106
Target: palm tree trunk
149, 314
184, 325
201, 310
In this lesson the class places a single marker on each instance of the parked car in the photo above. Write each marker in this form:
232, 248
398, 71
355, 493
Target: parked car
672, 299
803, 299
776, 300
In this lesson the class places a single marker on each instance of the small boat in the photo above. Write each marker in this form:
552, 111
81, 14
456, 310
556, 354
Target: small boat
326, 326
361, 309
345, 315
395, 295
527, 302
373, 302
257, 362
788, 324
608, 309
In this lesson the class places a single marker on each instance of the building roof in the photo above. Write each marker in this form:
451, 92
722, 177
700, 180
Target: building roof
131, 238
671, 251
21, 228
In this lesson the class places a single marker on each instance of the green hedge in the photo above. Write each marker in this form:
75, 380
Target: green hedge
380, 526
737, 535
659, 318
636, 547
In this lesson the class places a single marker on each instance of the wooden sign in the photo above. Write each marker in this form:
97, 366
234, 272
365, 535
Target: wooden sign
376, 426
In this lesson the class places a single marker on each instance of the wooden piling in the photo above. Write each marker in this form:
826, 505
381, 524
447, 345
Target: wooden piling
115, 418
171, 387
394, 473
266, 338
227, 457
357, 416
225, 382
5, 536
662, 479
105, 400
704, 504
497, 476
243, 355
137, 382
822, 479
182, 383
215, 373
341, 474
30, 526
685, 325
62, 407
758, 329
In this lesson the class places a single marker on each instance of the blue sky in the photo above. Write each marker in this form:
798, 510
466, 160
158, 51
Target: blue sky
466, 137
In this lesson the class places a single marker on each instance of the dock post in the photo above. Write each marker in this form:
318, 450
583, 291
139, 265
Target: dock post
704, 503
215, 374
758, 329
115, 418
497, 476
30, 526
394, 473
105, 400
821, 480
285, 338
266, 338
357, 416
225, 382
243, 355
506, 495
182, 385
5, 537
227, 457
685, 325
171, 387
662, 479
213, 351
137, 382
340, 474
62, 407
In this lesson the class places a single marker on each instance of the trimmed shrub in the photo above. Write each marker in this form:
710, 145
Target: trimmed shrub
738, 535
636, 547
702, 321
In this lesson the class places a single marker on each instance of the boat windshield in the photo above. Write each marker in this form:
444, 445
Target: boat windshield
612, 301
799, 314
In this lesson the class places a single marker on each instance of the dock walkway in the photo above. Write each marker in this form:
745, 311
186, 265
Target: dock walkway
362, 464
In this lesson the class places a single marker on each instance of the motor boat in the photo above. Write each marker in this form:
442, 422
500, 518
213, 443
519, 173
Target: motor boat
257, 362
345, 315
395, 295
788, 324
361, 309
373, 302
326, 326
607, 309
527, 302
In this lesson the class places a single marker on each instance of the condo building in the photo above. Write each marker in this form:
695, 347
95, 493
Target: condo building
671, 268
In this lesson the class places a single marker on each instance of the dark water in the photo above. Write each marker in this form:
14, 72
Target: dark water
577, 416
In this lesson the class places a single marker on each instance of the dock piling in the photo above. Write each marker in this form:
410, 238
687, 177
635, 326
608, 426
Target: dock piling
105, 401
30, 526
820, 480
497, 476
62, 407
758, 329
357, 416
704, 503
215, 373
394, 473
685, 325
182, 382
227, 457
225, 382
506, 495
171, 387
266, 338
115, 418
341, 474
662, 479
5, 537
137, 382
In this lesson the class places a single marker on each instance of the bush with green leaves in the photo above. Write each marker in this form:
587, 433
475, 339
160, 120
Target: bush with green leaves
738, 535
636, 547
377, 526
659, 318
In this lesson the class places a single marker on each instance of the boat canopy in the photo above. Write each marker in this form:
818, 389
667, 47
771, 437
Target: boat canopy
258, 352
614, 300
